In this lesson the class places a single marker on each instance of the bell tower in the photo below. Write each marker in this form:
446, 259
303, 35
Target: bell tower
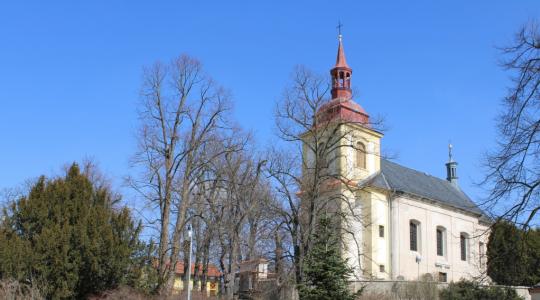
360, 151
354, 156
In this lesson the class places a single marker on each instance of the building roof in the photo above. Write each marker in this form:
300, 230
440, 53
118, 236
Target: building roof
395, 177
213, 271
345, 110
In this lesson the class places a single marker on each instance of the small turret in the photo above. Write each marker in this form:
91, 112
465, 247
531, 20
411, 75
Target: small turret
451, 168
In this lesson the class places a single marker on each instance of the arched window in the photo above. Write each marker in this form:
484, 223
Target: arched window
360, 155
464, 245
441, 241
414, 235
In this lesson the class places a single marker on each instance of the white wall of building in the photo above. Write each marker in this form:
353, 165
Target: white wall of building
430, 216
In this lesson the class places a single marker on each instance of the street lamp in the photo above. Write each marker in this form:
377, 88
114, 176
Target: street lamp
190, 234
418, 261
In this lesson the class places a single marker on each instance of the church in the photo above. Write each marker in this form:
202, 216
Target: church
410, 224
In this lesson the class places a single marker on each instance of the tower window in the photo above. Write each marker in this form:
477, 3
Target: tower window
360, 155
322, 156
381, 231
381, 268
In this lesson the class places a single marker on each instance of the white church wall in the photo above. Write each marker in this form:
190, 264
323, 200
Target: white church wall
353, 237
381, 244
375, 258
430, 216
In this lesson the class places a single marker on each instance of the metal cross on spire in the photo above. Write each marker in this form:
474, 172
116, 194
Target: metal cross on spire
339, 30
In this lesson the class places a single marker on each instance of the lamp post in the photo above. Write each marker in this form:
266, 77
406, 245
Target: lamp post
418, 261
190, 234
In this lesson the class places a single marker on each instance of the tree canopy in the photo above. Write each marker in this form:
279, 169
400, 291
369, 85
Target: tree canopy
67, 237
513, 255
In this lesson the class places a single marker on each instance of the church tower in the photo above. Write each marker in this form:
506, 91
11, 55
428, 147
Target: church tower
355, 159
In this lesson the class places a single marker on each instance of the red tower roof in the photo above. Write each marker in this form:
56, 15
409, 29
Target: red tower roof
341, 62
341, 107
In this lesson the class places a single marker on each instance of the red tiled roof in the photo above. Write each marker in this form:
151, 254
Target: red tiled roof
213, 271
344, 110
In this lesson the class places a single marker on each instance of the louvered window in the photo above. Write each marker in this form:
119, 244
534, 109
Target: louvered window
360, 155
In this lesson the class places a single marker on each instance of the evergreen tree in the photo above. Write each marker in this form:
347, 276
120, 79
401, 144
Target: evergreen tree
66, 237
513, 255
326, 273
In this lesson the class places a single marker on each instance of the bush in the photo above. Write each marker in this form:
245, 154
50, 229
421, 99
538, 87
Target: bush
468, 290
14, 290
421, 290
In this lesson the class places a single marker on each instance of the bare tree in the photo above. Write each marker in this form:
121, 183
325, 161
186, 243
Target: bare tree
183, 109
513, 168
305, 171
226, 208
241, 204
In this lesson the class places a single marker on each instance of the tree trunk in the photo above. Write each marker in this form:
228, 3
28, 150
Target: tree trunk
179, 228
252, 240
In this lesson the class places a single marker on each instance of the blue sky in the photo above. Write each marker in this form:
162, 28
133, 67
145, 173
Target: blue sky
70, 72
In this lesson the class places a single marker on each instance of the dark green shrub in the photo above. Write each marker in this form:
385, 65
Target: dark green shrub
469, 290
66, 237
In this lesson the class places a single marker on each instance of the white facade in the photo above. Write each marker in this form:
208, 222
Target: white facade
453, 224
378, 243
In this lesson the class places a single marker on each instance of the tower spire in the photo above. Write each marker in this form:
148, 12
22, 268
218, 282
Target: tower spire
341, 73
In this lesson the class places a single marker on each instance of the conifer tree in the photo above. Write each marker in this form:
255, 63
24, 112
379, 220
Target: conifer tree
326, 273
513, 255
67, 237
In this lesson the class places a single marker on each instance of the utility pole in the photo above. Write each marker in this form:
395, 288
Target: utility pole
190, 234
